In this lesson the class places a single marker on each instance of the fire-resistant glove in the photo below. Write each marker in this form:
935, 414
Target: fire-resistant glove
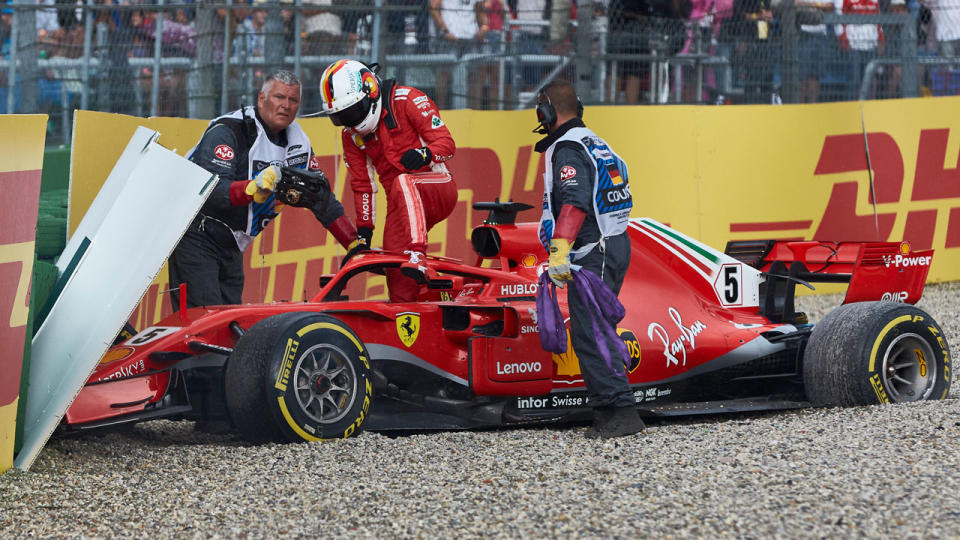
263, 184
559, 264
358, 245
365, 235
416, 158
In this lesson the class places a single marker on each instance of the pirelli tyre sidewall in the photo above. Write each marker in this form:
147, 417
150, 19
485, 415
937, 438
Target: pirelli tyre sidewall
909, 359
318, 380
877, 352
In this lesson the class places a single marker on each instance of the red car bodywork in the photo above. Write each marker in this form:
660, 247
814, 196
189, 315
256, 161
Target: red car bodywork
691, 313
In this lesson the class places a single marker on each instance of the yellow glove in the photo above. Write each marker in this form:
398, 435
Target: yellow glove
559, 264
262, 184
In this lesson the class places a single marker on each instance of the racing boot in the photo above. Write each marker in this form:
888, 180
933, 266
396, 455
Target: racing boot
416, 269
611, 422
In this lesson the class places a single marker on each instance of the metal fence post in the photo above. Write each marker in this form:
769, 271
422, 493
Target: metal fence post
297, 30
909, 86
273, 52
87, 49
204, 99
227, 51
12, 71
791, 75
584, 67
377, 25
157, 53
29, 69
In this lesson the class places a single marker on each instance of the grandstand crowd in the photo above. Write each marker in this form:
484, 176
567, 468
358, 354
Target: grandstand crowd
648, 51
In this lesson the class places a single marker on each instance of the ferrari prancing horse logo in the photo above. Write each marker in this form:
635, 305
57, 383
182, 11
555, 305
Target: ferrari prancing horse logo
408, 327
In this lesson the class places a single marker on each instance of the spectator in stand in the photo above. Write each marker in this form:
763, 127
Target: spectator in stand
700, 39
488, 73
751, 24
408, 30
722, 10
459, 26
926, 32
358, 22
70, 35
114, 84
237, 17
645, 27
628, 36
815, 48
253, 31
946, 19
6, 29
859, 43
527, 37
47, 27
179, 39
322, 29
893, 74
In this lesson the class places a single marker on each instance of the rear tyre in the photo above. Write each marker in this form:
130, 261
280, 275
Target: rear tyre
876, 352
299, 377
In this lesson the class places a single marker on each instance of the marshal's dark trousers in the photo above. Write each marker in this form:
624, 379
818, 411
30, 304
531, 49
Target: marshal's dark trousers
604, 387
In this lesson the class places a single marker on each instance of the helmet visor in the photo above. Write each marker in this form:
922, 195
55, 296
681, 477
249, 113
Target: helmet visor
352, 115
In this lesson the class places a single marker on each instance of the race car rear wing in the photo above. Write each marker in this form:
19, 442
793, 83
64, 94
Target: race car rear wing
888, 271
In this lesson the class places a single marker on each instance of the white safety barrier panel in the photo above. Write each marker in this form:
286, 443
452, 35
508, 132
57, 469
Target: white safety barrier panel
145, 206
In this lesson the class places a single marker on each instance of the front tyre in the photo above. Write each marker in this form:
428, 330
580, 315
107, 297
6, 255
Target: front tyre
876, 352
312, 374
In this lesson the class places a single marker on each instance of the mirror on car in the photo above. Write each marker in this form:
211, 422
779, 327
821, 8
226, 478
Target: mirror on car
446, 283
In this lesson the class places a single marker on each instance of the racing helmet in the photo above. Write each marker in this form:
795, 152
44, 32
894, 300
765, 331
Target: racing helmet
351, 96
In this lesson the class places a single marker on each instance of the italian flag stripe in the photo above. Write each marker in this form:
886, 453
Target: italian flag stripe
706, 254
680, 246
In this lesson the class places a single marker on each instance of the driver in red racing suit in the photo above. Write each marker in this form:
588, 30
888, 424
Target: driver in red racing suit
395, 131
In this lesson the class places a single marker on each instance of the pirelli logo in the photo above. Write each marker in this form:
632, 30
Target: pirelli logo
283, 375
878, 388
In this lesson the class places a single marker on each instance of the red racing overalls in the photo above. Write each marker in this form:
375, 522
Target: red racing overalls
416, 200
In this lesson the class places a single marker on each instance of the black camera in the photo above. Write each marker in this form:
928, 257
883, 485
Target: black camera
300, 187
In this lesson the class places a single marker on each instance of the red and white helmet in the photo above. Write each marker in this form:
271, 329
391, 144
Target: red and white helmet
350, 92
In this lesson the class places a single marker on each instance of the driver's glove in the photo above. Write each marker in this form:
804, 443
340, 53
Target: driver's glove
365, 236
359, 244
559, 263
416, 158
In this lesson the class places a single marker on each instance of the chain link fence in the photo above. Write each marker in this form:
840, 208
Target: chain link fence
201, 59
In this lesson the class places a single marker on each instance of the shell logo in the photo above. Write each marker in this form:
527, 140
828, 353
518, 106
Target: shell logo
904, 248
116, 353
529, 260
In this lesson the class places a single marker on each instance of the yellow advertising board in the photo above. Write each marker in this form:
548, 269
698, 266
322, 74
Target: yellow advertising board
716, 173
22, 138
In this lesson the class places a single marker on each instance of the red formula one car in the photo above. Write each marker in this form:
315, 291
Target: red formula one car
706, 331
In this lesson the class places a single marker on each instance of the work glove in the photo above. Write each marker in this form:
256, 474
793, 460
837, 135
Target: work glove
416, 158
262, 185
559, 264
359, 244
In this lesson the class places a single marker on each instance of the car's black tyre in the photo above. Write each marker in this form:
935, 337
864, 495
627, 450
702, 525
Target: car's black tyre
299, 377
876, 352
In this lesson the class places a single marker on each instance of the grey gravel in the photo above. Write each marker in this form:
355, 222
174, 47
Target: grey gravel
874, 472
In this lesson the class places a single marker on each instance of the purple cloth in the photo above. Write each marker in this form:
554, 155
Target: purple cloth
605, 312
553, 333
